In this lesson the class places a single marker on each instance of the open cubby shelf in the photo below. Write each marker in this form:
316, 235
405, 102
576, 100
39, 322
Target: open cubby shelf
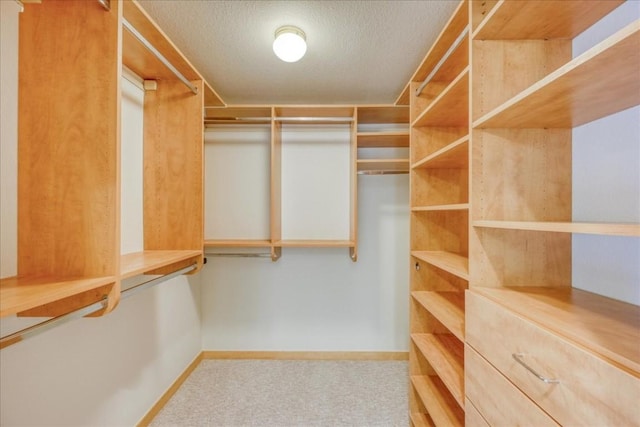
447, 307
455, 264
442, 407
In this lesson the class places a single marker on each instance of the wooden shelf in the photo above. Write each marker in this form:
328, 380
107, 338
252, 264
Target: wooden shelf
20, 294
383, 139
442, 408
453, 263
450, 108
138, 59
521, 20
383, 165
453, 156
374, 114
445, 354
314, 244
140, 262
239, 243
600, 82
241, 115
565, 227
420, 420
447, 307
313, 114
452, 207
602, 325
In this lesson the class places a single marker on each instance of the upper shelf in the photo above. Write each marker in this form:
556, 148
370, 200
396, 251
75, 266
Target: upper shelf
138, 59
140, 262
371, 114
600, 82
452, 156
383, 139
599, 228
313, 114
237, 115
520, 20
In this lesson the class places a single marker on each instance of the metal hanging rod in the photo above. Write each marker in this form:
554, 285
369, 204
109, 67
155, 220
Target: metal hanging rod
39, 328
105, 3
453, 47
314, 119
238, 254
158, 55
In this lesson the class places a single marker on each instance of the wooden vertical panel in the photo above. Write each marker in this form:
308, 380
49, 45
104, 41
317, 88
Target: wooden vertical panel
522, 174
276, 179
479, 10
520, 258
501, 69
353, 227
173, 167
69, 130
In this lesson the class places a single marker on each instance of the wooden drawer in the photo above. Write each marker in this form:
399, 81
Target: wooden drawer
499, 402
472, 417
590, 391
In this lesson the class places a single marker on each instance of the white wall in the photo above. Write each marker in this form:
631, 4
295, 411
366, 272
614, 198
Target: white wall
606, 184
97, 371
8, 137
318, 299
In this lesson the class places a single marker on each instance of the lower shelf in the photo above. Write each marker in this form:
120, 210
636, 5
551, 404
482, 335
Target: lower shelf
442, 408
453, 263
445, 354
21, 294
420, 420
447, 307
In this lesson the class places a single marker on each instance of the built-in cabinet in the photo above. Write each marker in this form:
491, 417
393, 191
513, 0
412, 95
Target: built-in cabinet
491, 212
71, 57
302, 188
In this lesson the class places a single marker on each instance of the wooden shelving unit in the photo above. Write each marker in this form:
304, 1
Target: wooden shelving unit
447, 307
382, 127
440, 205
527, 93
69, 206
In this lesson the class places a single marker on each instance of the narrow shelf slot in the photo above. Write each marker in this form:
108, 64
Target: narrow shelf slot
383, 139
520, 20
455, 264
450, 108
239, 243
139, 262
451, 207
383, 164
564, 227
447, 307
373, 114
453, 156
445, 354
442, 408
600, 82
21, 294
602, 325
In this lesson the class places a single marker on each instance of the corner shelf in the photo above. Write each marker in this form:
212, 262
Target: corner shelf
383, 139
140, 262
441, 406
447, 307
583, 90
455, 264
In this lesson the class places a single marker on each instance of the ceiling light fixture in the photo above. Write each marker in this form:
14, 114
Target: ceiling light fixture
290, 44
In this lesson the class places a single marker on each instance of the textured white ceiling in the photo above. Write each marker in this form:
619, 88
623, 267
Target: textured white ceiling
359, 52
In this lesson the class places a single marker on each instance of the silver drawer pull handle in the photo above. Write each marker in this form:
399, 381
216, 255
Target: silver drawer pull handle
518, 358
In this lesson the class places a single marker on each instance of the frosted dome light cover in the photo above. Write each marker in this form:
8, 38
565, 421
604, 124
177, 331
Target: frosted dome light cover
290, 44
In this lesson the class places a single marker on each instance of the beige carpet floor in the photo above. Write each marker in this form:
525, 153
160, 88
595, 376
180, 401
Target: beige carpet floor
287, 393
